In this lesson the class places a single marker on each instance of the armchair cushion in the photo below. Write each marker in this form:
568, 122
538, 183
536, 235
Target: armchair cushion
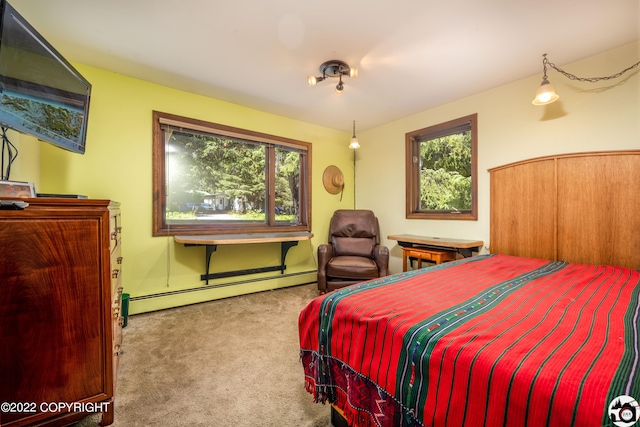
346, 246
352, 267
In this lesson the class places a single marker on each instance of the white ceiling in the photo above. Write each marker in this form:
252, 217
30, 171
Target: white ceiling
412, 55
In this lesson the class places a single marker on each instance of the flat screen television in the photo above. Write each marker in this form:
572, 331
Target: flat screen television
40, 92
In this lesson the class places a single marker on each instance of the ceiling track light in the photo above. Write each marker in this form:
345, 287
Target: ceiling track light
546, 94
334, 68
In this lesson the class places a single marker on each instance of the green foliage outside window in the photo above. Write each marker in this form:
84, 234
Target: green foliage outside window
210, 178
445, 173
206, 166
441, 167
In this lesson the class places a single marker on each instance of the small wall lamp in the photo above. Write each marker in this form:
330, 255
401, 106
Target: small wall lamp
546, 94
334, 68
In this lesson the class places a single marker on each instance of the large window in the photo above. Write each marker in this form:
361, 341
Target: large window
212, 179
441, 170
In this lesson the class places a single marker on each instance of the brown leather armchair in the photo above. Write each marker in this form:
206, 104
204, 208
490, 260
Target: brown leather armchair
353, 253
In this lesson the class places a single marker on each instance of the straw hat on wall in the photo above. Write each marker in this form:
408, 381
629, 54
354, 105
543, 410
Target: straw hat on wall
333, 179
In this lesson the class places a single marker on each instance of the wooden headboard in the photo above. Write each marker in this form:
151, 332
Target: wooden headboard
582, 207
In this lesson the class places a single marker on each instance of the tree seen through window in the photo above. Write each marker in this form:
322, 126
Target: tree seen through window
223, 182
441, 171
445, 173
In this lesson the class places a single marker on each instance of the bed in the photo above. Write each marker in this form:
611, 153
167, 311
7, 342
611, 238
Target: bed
542, 331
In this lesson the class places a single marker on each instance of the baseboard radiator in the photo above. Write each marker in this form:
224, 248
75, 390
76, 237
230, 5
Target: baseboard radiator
222, 285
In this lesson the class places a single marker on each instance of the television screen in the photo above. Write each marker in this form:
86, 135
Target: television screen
40, 92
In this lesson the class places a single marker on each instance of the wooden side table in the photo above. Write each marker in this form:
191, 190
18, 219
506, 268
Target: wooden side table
421, 254
436, 249
463, 247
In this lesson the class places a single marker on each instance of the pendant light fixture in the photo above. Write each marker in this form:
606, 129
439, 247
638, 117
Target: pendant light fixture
546, 94
354, 145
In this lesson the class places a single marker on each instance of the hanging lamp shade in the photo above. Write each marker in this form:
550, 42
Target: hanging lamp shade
545, 94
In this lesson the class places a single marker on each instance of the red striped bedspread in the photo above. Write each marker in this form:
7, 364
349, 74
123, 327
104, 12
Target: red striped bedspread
492, 340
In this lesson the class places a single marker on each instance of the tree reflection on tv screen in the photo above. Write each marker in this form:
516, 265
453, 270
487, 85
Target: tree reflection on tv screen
44, 118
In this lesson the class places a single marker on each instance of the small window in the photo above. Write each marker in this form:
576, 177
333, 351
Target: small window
441, 171
215, 179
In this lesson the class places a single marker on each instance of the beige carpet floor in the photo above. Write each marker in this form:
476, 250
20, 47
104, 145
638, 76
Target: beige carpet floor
231, 362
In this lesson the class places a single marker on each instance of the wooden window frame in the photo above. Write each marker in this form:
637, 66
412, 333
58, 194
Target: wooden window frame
412, 168
160, 225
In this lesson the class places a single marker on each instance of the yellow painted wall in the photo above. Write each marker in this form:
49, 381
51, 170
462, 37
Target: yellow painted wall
26, 166
588, 117
117, 165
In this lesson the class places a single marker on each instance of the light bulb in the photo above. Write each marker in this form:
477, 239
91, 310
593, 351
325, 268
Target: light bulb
546, 94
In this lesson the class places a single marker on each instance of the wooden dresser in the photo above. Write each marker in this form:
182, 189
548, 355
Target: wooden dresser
60, 320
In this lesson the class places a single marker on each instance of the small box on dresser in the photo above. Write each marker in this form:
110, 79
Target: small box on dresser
60, 317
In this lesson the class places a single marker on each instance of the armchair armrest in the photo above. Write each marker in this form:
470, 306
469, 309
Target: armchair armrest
325, 253
381, 257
